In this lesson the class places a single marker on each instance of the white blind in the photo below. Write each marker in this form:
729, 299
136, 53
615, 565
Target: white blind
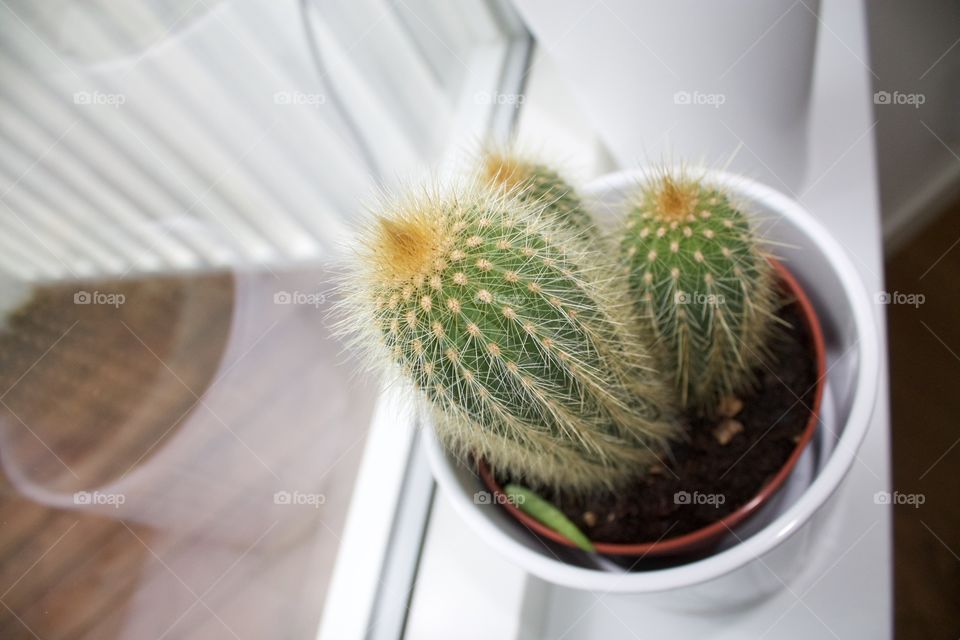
146, 136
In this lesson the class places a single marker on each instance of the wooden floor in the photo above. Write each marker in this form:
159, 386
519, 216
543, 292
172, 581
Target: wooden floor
194, 421
925, 395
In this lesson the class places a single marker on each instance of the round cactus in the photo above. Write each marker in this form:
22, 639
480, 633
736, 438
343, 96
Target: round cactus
698, 272
534, 182
507, 328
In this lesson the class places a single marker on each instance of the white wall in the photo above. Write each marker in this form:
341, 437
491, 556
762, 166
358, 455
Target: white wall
915, 50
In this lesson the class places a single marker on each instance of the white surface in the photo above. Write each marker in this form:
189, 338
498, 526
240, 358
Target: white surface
642, 70
510, 610
846, 591
348, 609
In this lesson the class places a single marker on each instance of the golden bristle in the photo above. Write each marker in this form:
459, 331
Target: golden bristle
405, 247
505, 170
673, 198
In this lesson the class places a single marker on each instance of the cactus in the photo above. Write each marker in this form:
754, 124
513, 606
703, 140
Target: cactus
509, 331
534, 182
699, 273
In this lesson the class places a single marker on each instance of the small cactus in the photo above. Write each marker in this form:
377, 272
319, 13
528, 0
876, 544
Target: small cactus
535, 182
699, 274
505, 326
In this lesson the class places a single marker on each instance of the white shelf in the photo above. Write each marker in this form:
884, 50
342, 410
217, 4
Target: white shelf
846, 591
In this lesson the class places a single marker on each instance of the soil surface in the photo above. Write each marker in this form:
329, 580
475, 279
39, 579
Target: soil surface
706, 480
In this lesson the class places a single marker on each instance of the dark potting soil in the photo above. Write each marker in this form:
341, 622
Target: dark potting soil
710, 480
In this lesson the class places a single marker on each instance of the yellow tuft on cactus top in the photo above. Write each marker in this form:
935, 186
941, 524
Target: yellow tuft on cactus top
673, 198
406, 247
504, 168
539, 185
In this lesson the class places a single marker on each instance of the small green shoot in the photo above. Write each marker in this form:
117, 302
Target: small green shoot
547, 514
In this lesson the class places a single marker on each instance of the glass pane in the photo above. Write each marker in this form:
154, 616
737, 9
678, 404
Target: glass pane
180, 432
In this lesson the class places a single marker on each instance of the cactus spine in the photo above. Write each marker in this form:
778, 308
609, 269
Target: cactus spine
509, 332
698, 272
536, 183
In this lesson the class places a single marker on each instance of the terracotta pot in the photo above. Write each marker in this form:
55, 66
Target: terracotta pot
711, 534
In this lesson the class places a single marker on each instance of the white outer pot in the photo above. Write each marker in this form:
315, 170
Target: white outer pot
765, 553
689, 78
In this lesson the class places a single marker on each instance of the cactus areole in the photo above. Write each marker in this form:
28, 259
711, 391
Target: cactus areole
507, 328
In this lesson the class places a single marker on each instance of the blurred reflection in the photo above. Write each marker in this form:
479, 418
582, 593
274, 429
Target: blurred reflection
197, 435
179, 433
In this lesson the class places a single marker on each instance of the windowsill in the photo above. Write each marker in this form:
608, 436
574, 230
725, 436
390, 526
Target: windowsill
467, 589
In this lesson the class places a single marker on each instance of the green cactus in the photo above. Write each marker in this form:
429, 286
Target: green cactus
699, 273
535, 182
505, 326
